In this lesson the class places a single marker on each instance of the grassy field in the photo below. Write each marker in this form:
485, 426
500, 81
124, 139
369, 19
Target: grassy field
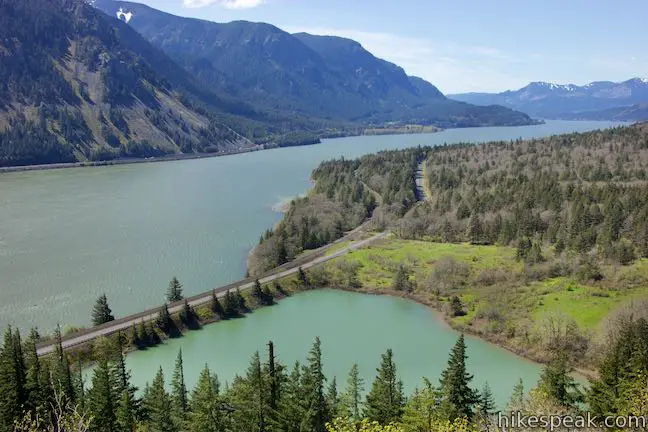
504, 300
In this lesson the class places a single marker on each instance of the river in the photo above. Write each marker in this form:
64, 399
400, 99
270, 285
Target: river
68, 235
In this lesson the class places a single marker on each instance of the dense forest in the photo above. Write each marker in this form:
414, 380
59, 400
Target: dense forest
345, 194
580, 193
47, 394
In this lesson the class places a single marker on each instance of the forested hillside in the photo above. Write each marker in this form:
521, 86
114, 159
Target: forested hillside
346, 193
575, 192
77, 85
328, 78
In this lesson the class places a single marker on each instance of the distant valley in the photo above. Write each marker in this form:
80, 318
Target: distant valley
79, 85
600, 100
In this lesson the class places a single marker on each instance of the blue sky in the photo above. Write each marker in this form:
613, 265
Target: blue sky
462, 45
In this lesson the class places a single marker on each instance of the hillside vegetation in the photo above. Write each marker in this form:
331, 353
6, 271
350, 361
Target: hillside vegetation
330, 79
532, 244
345, 194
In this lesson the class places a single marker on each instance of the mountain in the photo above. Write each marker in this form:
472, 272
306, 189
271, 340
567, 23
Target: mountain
329, 78
77, 85
600, 100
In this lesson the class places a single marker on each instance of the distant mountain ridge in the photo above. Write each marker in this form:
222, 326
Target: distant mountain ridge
325, 77
600, 100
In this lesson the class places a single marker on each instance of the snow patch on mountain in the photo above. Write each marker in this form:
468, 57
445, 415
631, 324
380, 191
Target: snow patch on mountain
123, 15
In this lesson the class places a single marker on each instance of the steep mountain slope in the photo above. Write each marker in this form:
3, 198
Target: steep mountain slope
325, 77
590, 101
77, 85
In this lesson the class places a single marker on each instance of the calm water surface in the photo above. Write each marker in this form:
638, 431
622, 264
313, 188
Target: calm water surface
66, 236
353, 328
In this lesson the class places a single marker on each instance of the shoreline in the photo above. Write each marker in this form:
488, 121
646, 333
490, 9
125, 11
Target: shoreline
442, 318
128, 161
182, 156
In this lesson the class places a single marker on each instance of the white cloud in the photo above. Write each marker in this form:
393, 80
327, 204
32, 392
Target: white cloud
228, 4
450, 66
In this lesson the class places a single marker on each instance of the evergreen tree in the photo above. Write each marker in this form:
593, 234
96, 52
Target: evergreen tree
101, 313
293, 406
101, 399
456, 307
351, 398
475, 229
61, 374
556, 381
458, 397
126, 413
257, 291
516, 402
188, 315
158, 406
313, 381
332, 399
230, 307
385, 401
421, 412
215, 306
174, 291
13, 393
274, 383
401, 280
179, 392
241, 306
33, 372
486, 401
164, 321
206, 413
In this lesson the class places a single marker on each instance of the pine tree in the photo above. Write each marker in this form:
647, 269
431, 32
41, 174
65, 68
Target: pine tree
313, 381
188, 315
332, 399
401, 280
293, 407
101, 399
351, 398
556, 381
274, 383
101, 313
33, 372
458, 397
134, 338
241, 306
421, 412
516, 402
164, 321
61, 374
143, 334
206, 414
385, 401
13, 393
215, 306
174, 291
158, 406
475, 229
179, 392
486, 401
257, 291
456, 307
126, 413
230, 307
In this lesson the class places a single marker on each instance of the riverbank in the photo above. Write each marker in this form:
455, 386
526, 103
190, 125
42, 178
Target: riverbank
409, 130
